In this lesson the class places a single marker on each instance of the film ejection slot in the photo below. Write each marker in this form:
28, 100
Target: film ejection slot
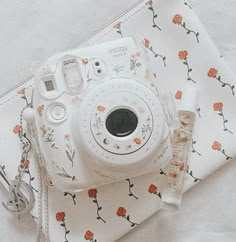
72, 73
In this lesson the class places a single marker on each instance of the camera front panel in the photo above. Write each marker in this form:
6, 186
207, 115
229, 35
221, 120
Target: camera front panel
97, 119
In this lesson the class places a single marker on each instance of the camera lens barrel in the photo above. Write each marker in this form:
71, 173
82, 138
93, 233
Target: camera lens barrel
121, 122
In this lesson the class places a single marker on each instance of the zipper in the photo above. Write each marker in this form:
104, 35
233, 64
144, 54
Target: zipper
83, 41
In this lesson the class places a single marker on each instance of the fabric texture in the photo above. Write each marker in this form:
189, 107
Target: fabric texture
175, 39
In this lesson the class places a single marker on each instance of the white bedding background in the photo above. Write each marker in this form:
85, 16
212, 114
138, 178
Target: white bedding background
32, 30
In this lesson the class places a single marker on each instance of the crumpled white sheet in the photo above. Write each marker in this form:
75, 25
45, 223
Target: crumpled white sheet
208, 212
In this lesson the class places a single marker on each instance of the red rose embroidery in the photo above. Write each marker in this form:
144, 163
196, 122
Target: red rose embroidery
212, 72
177, 19
216, 145
152, 188
92, 193
60, 216
150, 48
148, 2
117, 25
183, 55
21, 91
218, 106
121, 212
88, 235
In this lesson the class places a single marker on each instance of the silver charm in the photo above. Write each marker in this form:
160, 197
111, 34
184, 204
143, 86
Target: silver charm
21, 198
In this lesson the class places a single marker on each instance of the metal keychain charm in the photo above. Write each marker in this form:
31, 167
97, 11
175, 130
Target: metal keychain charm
21, 196
19, 203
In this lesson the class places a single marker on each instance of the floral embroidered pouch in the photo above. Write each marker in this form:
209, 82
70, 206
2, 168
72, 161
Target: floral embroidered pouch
174, 39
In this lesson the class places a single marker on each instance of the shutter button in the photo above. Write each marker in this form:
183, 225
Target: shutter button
58, 112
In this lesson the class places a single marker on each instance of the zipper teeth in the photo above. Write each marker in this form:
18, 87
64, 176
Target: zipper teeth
87, 38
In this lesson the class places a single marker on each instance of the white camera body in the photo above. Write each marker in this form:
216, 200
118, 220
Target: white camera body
98, 117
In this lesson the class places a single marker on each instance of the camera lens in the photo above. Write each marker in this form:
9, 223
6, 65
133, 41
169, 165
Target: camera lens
121, 122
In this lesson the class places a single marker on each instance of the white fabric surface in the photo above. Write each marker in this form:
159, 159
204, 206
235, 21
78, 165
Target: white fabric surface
212, 199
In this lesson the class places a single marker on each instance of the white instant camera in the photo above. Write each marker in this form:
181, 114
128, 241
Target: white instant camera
98, 116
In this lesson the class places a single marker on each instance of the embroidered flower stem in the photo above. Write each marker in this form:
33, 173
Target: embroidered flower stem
63, 224
178, 19
89, 236
218, 106
119, 31
98, 209
225, 84
92, 193
73, 196
24, 97
193, 149
158, 194
190, 31
162, 172
153, 189
217, 146
118, 27
128, 219
188, 71
3, 169
212, 73
183, 56
121, 212
130, 186
154, 16
224, 121
60, 217
187, 4
198, 112
156, 55
191, 174
227, 157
